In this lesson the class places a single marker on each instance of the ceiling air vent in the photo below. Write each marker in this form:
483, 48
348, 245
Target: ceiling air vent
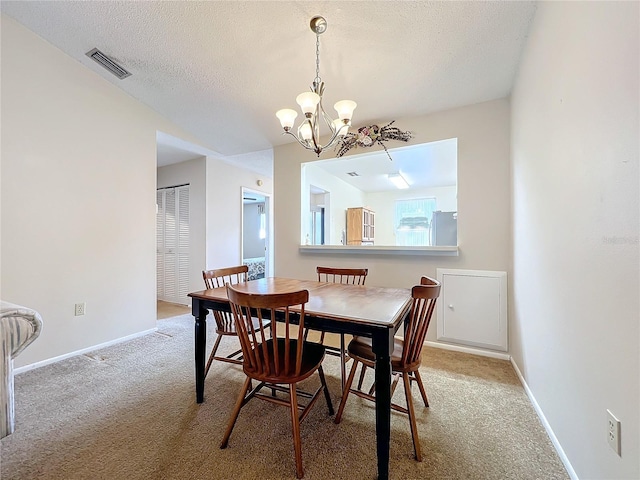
107, 63
353, 174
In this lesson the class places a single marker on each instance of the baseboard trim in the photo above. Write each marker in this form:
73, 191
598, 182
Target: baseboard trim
49, 361
473, 351
545, 424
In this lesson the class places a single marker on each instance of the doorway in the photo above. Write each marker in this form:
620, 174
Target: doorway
256, 233
319, 221
172, 244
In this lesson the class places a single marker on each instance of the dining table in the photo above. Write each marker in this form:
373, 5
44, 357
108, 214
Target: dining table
374, 312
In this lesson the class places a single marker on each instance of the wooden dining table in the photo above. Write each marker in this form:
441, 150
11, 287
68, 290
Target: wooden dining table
373, 312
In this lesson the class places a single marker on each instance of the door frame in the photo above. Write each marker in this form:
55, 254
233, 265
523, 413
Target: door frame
268, 251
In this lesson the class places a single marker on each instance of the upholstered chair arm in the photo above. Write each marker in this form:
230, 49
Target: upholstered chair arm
19, 326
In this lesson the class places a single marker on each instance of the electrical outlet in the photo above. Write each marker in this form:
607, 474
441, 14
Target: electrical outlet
80, 309
613, 432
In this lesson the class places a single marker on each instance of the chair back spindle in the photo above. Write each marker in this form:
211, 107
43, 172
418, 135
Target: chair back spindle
423, 304
351, 276
219, 278
281, 355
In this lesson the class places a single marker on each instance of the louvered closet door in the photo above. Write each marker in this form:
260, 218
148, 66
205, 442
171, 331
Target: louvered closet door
173, 244
160, 243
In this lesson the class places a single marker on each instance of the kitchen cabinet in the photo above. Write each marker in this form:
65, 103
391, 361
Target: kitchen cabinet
361, 227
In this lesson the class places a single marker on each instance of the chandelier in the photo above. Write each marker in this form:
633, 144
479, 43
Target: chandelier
308, 133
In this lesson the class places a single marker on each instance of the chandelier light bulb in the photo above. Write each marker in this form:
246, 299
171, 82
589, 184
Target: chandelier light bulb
341, 128
345, 109
287, 118
308, 102
305, 131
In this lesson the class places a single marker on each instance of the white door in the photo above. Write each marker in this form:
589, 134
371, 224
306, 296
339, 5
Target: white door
472, 309
172, 238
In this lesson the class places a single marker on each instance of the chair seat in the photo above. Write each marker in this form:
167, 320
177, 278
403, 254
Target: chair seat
312, 356
361, 348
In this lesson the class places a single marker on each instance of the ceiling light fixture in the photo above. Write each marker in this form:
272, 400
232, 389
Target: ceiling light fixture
398, 180
310, 103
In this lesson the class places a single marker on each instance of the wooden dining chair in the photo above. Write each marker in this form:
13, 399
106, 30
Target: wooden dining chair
225, 324
351, 276
278, 363
405, 358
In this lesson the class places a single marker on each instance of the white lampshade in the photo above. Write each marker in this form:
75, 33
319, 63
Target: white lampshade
305, 131
398, 180
340, 127
287, 117
345, 109
308, 102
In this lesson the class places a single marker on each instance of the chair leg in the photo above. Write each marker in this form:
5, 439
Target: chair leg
394, 385
418, 379
412, 417
295, 427
236, 412
345, 391
364, 369
213, 354
326, 390
343, 362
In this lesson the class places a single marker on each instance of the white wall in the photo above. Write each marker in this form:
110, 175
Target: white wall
193, 173
77, 197
224, 210
483, 201
574, 321
341, 196
215, 210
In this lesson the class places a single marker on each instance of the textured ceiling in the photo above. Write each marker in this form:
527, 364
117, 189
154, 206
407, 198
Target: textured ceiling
221, 69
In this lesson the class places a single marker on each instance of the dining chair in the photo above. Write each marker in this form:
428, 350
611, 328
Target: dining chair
405, 358
351, 276
278, 363
225, 324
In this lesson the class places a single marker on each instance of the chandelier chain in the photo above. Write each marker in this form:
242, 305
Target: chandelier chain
317, 79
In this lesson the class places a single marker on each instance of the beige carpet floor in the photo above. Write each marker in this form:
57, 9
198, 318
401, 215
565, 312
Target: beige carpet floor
168, 309
129, 412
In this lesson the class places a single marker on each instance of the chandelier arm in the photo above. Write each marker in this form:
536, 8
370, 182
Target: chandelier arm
308, 147
334, 137
327, 119
315, 134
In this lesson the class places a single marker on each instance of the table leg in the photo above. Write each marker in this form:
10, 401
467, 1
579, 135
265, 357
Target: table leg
382, 344
200, 315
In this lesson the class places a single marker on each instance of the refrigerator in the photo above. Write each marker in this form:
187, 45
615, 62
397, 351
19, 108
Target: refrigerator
444, 228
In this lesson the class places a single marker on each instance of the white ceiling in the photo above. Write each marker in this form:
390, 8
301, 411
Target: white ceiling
221, 69
428, 165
